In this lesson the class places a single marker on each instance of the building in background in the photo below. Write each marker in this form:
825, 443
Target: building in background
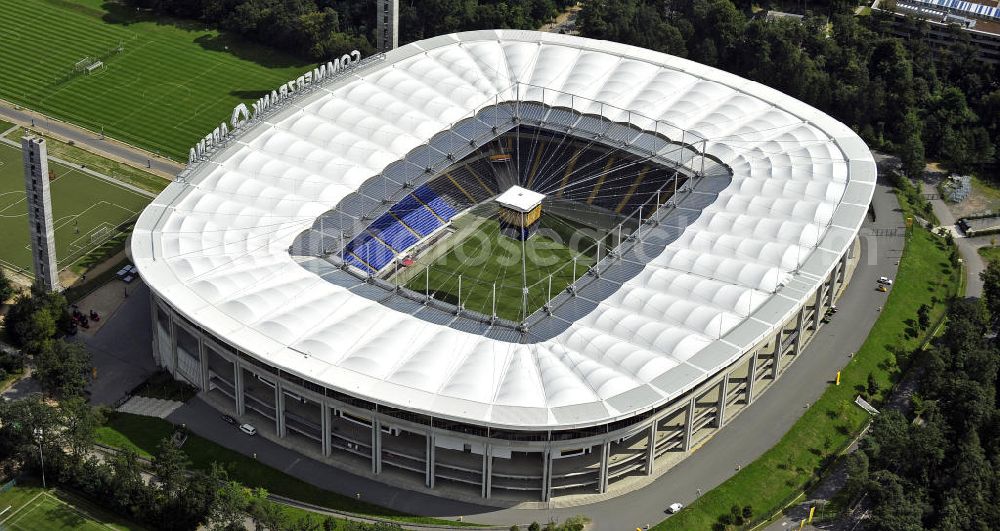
949, 23
39, 204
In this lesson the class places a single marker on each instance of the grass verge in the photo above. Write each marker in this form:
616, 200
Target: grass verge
143, 434
783, 472
117, 170
990, 254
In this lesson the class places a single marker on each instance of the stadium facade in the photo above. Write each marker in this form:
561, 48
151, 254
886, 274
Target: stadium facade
269, 264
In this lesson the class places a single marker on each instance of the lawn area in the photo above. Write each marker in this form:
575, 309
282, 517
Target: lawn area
37, 509
143, 434
171, 82
925, 276
486, 257
86, 212
111, 168
990, 254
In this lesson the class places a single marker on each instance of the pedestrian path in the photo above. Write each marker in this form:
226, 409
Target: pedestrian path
150, 407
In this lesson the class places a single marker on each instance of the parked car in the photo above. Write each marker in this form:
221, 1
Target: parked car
885, 280
882, 288
229, 420
248, 429
675, 508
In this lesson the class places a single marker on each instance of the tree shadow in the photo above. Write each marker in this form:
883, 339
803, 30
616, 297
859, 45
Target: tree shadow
212, 39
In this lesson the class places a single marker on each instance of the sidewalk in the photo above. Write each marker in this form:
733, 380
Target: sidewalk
91, 141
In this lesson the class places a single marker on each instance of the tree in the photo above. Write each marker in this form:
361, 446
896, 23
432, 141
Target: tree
64, 368
6, 287
80, 422
991, 291
924, 316
170, 465
231, 503
911, 148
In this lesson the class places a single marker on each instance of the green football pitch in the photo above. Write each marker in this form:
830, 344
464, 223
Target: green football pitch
35, 509
170, 84
485, 257
87, 210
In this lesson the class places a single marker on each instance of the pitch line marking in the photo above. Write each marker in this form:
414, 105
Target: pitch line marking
26, 504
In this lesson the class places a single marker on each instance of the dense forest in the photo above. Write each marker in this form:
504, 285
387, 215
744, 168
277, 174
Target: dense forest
940, 470
321, 29
899, 94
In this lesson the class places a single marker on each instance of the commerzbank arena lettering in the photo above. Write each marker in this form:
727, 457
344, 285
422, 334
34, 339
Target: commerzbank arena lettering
243, 114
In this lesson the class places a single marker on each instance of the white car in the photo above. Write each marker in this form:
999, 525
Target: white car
248, 429
675, 508
885, 280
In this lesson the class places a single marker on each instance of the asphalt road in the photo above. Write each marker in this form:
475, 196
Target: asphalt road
743, 440
90, 141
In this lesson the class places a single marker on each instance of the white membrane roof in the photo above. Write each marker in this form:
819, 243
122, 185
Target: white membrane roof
215, 246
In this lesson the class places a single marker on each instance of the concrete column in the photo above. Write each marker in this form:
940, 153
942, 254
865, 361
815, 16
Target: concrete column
651, 448
154, 320
842, 274
429, 462
203, 358
818, 308
376, 445
173, 346
603, 477
751, 377
800, 326
327, 443
487, 482
279, 407
689, 425
546, 474
238, 388
720, 417
831, 290
779, 351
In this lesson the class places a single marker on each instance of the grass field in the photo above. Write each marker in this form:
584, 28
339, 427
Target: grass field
84, 208
925, 277
37, 509
172, 83
485, 256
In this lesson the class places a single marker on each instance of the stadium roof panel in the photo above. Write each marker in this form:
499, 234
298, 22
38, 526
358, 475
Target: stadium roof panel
215, 246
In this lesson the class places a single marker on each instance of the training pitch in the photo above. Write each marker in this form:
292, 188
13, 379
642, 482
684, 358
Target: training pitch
34, 509
87, 211
482, 256
161, 86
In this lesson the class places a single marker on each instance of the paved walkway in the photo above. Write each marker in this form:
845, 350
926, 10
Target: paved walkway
90, 141
150, 407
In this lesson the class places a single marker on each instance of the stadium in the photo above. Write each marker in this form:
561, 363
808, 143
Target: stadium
505, 265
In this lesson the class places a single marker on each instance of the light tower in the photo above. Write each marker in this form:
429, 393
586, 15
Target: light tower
388, 25
39, 203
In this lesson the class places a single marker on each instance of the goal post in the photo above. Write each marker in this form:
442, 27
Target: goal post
83, 64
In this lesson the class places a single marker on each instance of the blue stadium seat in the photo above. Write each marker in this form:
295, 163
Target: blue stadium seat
435, 202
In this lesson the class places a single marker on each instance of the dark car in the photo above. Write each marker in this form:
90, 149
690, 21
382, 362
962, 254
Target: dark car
229, 420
